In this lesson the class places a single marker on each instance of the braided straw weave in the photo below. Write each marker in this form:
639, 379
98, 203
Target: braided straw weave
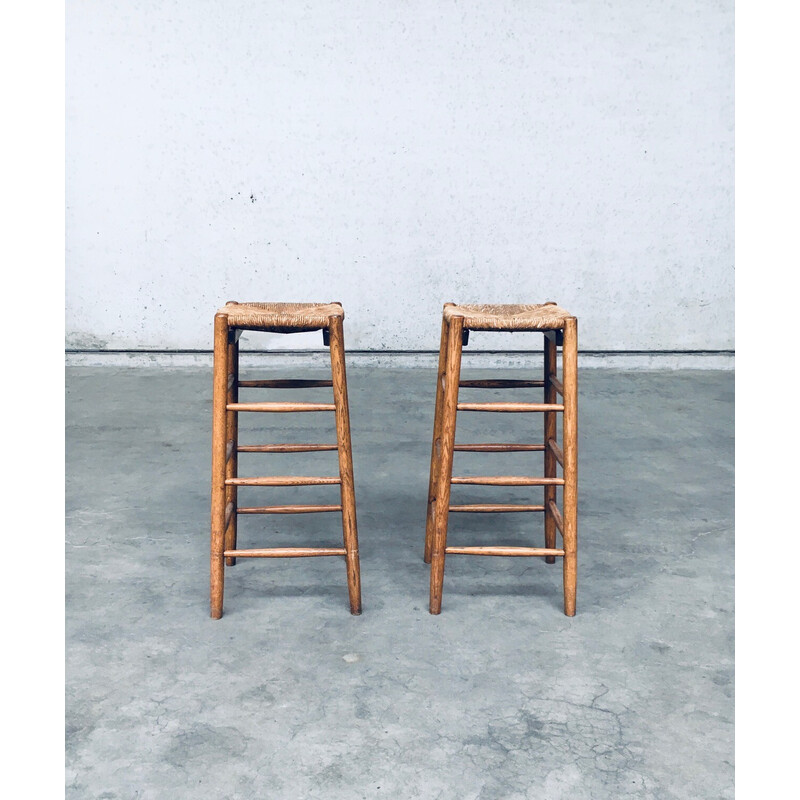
281, 317
487, 317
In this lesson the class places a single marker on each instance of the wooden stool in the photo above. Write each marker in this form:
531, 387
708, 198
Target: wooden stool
559, 328
229, 322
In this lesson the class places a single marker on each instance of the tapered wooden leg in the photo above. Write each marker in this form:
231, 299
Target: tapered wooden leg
435, 449
231, 440
218, 436
349, 526
441, 500
570, 450
550, 432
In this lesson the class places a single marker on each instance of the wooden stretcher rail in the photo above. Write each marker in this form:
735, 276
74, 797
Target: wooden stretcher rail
557, 385
496, 447
558, 519
556, 451
285, 448
507, 480
284, 384
284, 480
499, 384
286, 552
510, 407
492, 508
287, 509
503, 551
281, 407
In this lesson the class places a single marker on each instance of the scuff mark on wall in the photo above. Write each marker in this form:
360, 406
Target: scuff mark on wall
83, 340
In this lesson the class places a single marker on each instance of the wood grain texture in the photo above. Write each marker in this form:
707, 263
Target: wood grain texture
570, 446
503, 551
285, 480
285, 448
281, 408
506, 480
348, 495
511, 383
232, 435
286, 552
555, 451
441, 501
550, 432
435, 444
511, 408
284, 383
558, 520
294, 509
218, 440
497, 447
494, 508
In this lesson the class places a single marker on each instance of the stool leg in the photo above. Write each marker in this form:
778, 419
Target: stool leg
349, 526
441, 501
570, 431
435, 446
218, 434
232, 440
550, 432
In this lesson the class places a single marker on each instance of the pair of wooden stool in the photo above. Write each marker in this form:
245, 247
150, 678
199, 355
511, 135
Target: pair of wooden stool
559, 328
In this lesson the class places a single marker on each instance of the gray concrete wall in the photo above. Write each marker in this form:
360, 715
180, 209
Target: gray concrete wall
397, 155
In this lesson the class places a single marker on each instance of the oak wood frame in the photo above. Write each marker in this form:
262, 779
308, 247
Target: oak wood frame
224, 461
453, 337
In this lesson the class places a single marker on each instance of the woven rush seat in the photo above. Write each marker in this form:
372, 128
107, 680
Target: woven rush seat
281, 317
489, 317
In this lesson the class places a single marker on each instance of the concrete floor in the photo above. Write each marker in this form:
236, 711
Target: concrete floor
502, 696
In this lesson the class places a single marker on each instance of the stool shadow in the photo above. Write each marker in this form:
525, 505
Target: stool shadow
251, 599
534, 592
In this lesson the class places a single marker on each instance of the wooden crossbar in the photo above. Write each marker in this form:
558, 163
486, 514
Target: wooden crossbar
283, 480
503, 551
496, 447
556, 451
281, 407
491, 508
286, 552
510, 407
499, 384
559, 520
507, 480
284, 384
285, 448
287, 509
